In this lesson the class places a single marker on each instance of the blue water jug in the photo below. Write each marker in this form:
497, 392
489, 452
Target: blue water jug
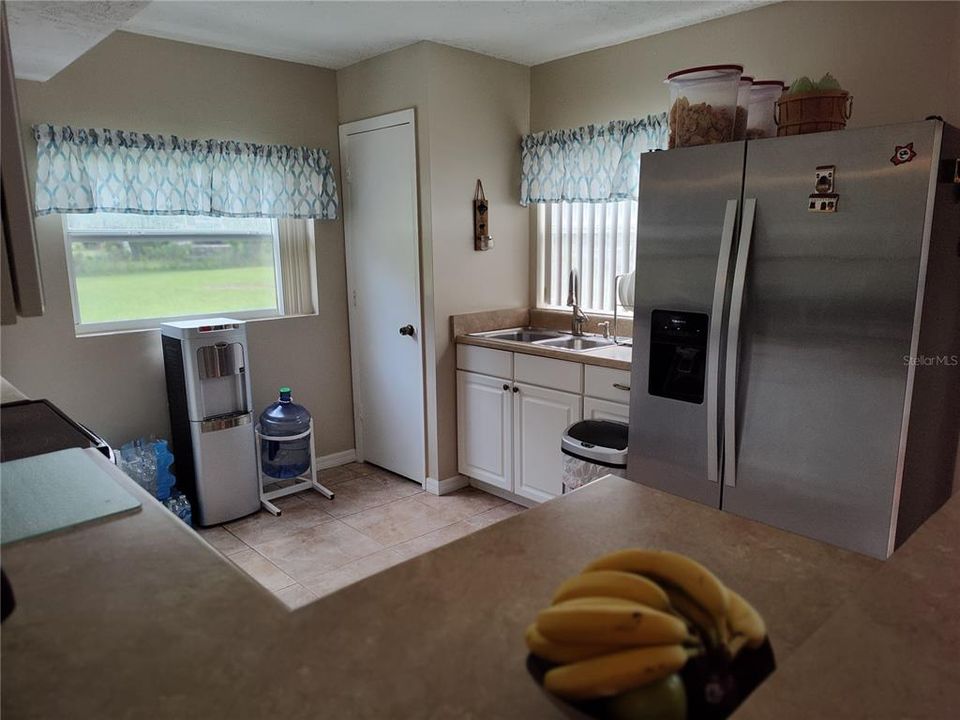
284, 459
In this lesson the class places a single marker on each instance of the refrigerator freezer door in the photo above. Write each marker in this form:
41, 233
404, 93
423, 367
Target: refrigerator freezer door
688, 206
825, 331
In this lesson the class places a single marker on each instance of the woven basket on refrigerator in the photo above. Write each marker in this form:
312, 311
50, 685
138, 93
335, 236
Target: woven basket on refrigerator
812, 112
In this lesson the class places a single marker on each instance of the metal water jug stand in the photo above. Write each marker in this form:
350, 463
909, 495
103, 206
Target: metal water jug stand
304, 481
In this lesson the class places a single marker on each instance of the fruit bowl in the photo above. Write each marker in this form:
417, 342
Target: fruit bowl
713, 684
648, 634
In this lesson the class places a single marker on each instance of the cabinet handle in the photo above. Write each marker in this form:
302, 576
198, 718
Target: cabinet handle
506, 387
621, 386
516, 389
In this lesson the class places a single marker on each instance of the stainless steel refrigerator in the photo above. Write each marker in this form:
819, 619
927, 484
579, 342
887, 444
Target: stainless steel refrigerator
797, 329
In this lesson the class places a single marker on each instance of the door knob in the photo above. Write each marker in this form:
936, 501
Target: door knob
407, 330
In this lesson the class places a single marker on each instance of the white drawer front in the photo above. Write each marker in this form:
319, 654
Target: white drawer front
547, 372
594, 409
606, 383
485, 360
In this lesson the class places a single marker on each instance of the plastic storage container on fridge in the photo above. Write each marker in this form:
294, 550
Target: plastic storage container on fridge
279, 458
743, 106
703, 103
592, 449
763, 100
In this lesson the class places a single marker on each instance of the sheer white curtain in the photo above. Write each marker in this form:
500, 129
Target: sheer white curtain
297, 276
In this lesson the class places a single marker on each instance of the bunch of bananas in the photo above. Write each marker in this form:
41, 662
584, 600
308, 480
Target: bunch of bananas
632, 619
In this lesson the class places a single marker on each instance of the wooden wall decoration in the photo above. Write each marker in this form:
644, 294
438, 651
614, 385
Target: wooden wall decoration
482, 240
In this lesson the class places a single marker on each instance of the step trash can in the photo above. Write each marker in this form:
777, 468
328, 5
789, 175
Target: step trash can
592, 449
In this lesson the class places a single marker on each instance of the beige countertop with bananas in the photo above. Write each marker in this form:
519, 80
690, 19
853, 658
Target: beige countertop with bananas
138, 617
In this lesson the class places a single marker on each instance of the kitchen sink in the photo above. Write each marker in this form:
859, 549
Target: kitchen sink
577, 343
548, 338
525, 335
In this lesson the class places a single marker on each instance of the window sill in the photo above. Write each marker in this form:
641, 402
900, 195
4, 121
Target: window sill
564, 310
106, 331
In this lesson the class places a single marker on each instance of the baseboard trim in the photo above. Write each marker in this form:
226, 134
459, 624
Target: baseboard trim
444, 487
501, 493
325, 462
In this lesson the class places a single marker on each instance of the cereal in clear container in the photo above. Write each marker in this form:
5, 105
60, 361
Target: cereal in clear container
703, 105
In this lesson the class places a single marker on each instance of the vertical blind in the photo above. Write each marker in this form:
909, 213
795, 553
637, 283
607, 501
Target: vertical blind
586, 183
598, 239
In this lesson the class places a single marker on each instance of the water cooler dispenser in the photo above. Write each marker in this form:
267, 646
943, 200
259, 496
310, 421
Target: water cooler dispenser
211, 417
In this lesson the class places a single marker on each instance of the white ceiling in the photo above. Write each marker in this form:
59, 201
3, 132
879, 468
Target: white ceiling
45, 37
337, 34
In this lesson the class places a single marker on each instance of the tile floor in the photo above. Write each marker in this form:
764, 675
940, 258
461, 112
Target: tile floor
376, 519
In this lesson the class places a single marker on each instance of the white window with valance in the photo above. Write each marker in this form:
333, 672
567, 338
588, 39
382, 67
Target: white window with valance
160, 227
585, 183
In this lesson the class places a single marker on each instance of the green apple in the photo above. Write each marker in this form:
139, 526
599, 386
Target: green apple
663, 700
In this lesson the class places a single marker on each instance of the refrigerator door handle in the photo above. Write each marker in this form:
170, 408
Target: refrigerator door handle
713, 342
733, 344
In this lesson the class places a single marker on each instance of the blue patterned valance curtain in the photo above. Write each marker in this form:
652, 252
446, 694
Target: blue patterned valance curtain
82, 170
594, 163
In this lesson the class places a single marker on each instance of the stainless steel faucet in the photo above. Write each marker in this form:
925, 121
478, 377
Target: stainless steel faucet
578, 318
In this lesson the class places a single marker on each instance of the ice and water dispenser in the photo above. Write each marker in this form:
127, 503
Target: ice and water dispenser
678, 355
211, 417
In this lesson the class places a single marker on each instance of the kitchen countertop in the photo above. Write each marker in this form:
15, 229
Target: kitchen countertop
138, 617
612, 356
891, 651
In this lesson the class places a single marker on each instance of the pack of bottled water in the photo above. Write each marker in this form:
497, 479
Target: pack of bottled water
179, 506
148, 461
138, 459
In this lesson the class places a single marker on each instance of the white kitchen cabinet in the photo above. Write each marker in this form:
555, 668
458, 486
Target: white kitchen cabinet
512, 409
540, 415
594, 409
485, 428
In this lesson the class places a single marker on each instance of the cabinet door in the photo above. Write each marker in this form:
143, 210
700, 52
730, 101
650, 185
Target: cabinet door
594, 409
485, 428
540, 416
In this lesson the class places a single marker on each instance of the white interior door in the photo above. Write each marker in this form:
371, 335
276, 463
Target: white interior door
383, 277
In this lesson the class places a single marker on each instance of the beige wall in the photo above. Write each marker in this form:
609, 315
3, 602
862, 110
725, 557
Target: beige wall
897, 59
115, 383
953, 66
471, 112
479, 110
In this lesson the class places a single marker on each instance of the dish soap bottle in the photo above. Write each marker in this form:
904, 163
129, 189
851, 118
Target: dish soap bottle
281, 458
